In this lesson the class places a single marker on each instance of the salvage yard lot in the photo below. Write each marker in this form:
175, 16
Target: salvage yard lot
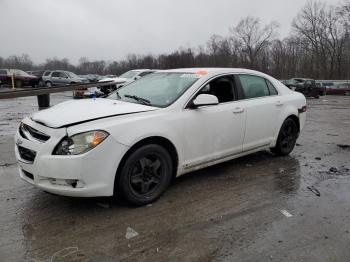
236, 211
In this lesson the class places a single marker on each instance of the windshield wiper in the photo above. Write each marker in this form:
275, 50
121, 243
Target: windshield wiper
139, 99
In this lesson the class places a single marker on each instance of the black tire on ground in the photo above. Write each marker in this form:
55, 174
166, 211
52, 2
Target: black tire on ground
287, 138
48, 84
144, 175
18, 83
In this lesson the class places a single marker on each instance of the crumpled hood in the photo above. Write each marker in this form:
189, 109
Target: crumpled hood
75, 112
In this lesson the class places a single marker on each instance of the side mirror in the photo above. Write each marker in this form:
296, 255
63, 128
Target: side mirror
205, 100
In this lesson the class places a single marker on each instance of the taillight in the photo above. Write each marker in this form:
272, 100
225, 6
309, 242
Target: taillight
302, 110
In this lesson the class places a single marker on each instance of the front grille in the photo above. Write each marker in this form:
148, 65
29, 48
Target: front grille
30, 133
26, 154
27, 174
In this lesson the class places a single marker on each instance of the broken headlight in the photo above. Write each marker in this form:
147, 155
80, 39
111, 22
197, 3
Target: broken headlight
80, 143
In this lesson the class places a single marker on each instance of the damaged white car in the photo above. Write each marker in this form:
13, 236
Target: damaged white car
166, 124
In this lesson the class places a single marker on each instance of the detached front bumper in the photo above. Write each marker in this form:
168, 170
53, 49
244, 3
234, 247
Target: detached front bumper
87, 175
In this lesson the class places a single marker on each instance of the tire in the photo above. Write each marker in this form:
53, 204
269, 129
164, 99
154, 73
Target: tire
145, 175
48, 84
18, 84
287, 138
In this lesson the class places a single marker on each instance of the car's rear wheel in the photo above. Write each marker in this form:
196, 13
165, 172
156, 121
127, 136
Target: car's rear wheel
144, 175
48, 84
287, 138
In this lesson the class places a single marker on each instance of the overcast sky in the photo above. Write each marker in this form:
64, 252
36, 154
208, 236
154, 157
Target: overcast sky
111, 29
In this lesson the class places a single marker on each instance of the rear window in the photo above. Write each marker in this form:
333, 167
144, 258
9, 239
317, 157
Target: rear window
3, 72
47, 73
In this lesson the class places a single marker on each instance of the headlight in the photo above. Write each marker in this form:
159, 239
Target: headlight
80, 143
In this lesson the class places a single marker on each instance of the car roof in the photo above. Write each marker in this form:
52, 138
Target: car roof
215, 70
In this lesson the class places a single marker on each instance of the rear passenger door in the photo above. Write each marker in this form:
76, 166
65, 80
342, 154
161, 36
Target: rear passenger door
55, 77
262, 105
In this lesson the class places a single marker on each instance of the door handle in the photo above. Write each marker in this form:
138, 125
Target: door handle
238, 110
279, 103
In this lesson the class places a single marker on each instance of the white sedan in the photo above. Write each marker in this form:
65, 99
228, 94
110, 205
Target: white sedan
166, 124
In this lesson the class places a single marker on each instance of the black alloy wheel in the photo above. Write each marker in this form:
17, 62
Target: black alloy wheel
145, 175
287, 138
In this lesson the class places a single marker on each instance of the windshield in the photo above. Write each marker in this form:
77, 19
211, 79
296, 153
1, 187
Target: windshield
21, 73
159, 89
129, 74
72, 75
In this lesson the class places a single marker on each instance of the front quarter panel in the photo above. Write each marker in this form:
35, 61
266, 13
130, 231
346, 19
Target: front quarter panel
130, 129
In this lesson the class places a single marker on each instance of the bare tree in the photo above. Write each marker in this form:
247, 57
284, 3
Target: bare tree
253, 38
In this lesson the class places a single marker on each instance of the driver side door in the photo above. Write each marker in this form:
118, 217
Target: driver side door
213, 133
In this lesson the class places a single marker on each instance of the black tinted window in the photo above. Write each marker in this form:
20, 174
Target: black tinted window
3, 72
47, 73
222, 88
272, 89
254, 86
55, 74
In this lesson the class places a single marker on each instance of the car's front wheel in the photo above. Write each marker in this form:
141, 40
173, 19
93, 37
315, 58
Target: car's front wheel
145, 174
287, 138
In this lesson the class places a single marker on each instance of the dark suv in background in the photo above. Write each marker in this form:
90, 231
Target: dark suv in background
306, 86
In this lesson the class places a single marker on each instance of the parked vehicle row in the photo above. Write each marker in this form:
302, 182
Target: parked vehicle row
116, 82
335, 88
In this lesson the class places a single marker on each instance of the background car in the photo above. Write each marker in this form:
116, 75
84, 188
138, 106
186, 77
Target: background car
39, 74
306, 86
92, 78
126, 78
339, 89
21, 78
90, 92
60, 77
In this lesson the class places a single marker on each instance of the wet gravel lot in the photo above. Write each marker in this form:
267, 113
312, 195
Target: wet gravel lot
256, 208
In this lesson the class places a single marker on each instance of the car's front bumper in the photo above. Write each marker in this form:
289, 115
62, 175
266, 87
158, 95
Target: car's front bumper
87, 175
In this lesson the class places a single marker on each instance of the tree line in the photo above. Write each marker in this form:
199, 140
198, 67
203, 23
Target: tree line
318, 46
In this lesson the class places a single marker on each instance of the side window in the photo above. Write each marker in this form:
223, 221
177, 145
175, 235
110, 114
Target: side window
55, 74
272, 89
47, 73
64, 75
222, 88
254, 86
3, 72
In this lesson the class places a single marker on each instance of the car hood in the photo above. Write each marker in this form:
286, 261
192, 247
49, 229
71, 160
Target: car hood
76, 112
115, 80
